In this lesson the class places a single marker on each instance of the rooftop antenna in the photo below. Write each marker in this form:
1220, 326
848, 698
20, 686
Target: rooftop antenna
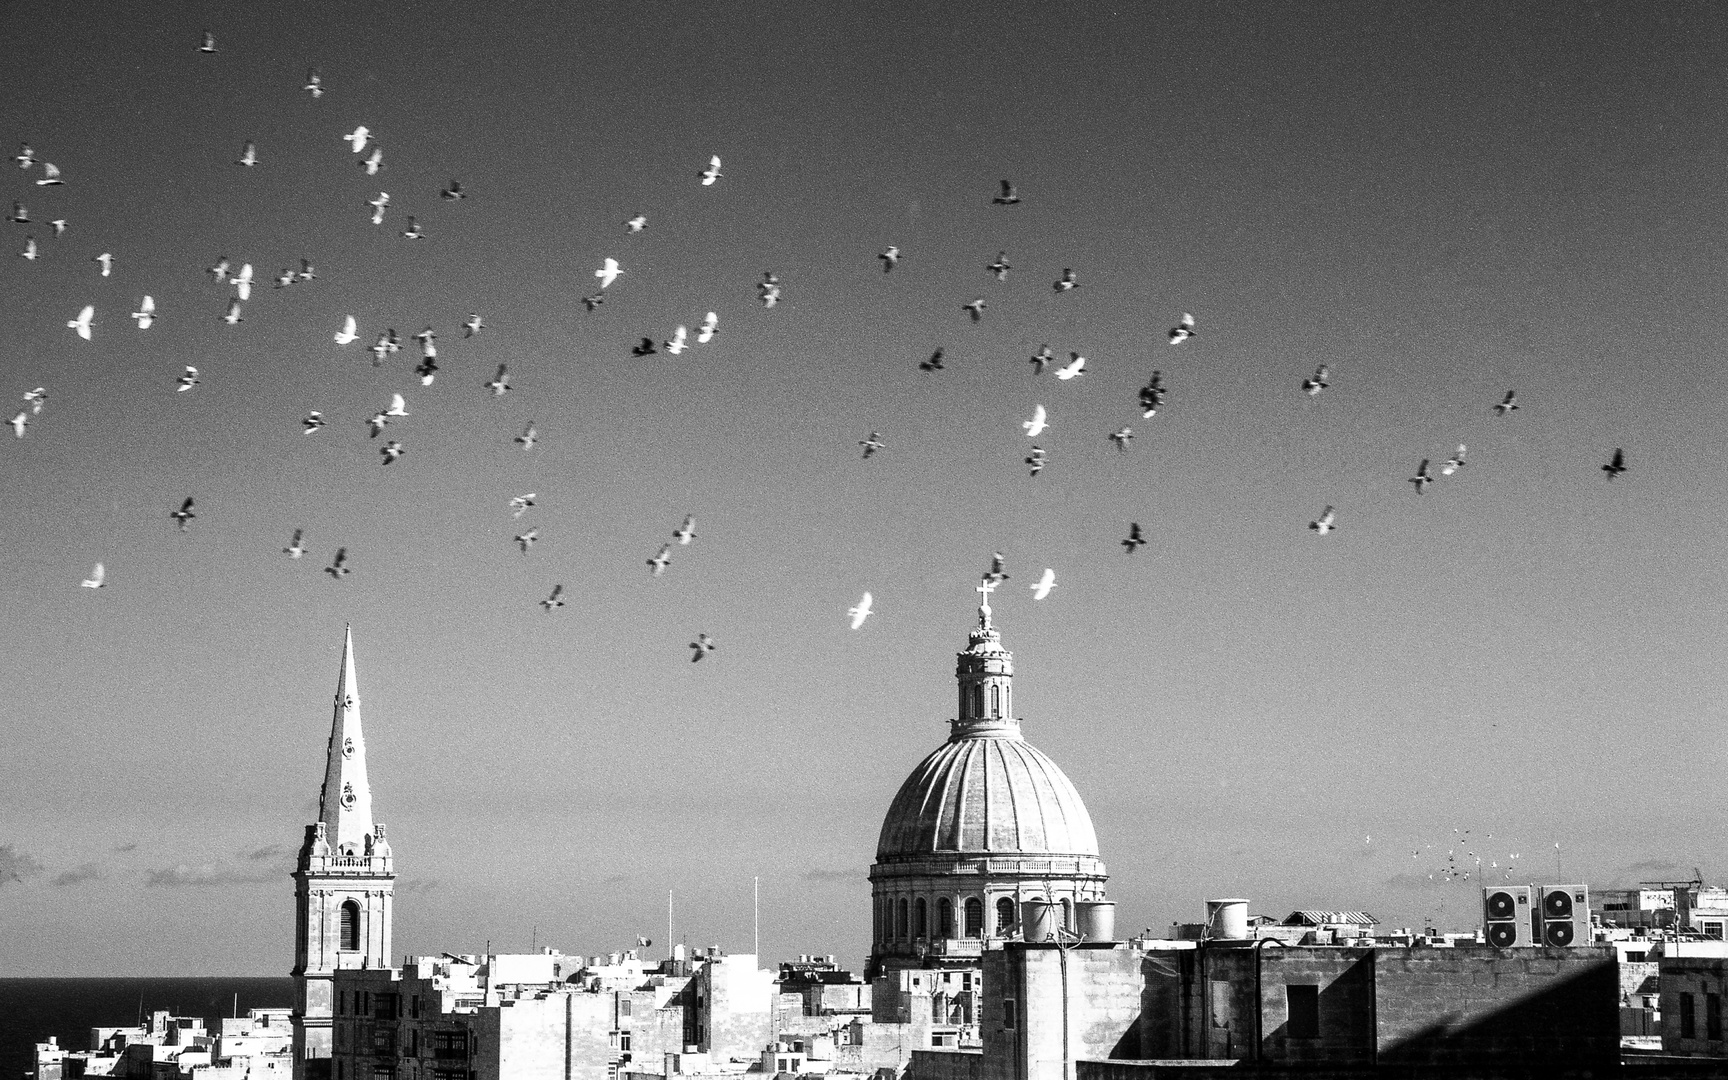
756, 916
669, 938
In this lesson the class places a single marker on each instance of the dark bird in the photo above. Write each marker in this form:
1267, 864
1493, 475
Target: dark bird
1036, 459
1120, 437
932, 364
339, 567
661, 560
1617, 465
454, 191
1318, 381
1152, 396
703, 645
1422, 479
997, 573
592, 302
555, 600
1042, 359
1135, 538
1007, 196
1323, 524
184, 514
1066, 282
645, 348
1508, 404
873, 443
1183, 330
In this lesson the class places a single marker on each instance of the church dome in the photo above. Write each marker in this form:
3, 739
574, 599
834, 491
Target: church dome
983, 794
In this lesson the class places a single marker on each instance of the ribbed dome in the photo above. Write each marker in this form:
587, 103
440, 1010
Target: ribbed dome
986, 795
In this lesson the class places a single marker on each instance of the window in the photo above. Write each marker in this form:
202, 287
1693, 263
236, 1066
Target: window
349, 940
1302, 1006
624, 1041
1008, 1013
1688, 1025
974, 917
900, 919
944, 918
1713, 1016
623, 1006
1004, 916
977, 699
995, 700
920, 918
1713, 929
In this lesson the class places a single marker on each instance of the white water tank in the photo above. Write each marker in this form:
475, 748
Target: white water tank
1097, 919
1037, 919
1227, 919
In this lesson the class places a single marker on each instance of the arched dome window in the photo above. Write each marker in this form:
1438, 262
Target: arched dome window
349, 939
920, 919
995, 700
900, 919
944, 918
1004, 916
974, 917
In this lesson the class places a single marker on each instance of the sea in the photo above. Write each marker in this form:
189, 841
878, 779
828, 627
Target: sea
33, 1009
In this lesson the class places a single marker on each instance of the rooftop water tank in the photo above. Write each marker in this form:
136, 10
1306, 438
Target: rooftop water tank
1227, 919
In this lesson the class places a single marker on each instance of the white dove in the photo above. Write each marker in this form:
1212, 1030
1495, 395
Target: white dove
710, 324
1044, 584
861, 612
188, 380
232, 315
29, 251
637, 223
248, 155
82, 323
146, 313
1453, 463
528, 437
1324, 524
712, 172
19, 423
50, 175
106, 259
378, 204
500, 384
675, 344
1035, 426
98, 578
242, 282
521, 504
608, 273
685, 532
1075, 366
374, 161
357, 138
36, 399
314, 83
349, 332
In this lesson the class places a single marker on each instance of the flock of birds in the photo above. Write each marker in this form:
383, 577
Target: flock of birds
369, 155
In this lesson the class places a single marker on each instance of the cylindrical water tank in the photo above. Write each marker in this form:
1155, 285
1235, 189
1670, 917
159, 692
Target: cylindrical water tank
1227, 919
1097, 919
1038, 921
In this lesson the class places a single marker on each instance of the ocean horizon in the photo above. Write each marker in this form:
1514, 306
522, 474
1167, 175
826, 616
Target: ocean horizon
67, 1008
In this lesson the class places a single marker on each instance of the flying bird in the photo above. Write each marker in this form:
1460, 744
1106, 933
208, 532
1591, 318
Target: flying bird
81, 324
378, 204
295, 547
997, 574
242, 282
209, 43
427, 340
1318, 381
1508, 404
248, 154
1183, 330
528, 437
685, 532
1453, 463
712, 172
339, 567
427, 369
106, 261
608, 272
1000, 267
1324, 524
1074, 368
500, 384
860, 612
932, 364
220, 270
454, 191
314, 420
1135, 538
413, 231
1035, 426
472, 325
1616, 465
593, 301
526, 540
183, 515
391, 451
703, 645
710, 324
26, 156
307, 273
29, 251
232, 315
98, 578
1121, 436
356, 139
1152, 395
520, 504
1066, 282
555, 600
974, 309
19, 214
1041, 359
768, 289
314, 83
661, 559
188, 380
1036, 459
637, 223
873, 443
59, 225
645, 347
50, 175
1007, 196
19, 423
374, 161
36, 399
1421, 480
285, 278
349, 332
675, 344
889, 258
1042, 587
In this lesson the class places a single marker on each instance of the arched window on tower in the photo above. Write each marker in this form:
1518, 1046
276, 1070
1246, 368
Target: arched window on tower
349, 940
920, 919
977, 699
944, 918
974, 917
1004, 916
900, 919
995, 700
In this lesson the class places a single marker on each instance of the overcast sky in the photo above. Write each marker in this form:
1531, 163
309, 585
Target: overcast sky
1440, 202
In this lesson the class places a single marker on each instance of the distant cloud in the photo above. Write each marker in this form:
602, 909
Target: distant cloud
414, 886
123, 848
77, 875
268, 851
210, 874
15, 865
1632, 874
616, 879
832, 875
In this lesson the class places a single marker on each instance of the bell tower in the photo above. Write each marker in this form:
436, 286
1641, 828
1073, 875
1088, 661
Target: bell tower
343, 882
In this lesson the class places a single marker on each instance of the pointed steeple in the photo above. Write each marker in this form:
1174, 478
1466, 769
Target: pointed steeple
985, 672
345, 803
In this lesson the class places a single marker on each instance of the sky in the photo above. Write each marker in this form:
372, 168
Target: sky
1441, 203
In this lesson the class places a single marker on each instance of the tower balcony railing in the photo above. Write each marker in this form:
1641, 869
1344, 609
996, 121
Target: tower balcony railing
348, 864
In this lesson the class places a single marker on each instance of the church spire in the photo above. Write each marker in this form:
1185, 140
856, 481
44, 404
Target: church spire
345, 803
985, 672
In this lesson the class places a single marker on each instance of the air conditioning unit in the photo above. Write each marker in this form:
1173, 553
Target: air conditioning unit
1564, 914
1506, 916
